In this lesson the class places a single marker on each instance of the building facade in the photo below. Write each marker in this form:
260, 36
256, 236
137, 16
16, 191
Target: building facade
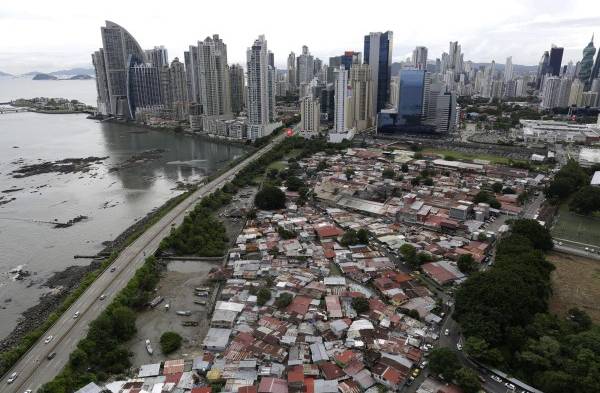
237, 84
378, 54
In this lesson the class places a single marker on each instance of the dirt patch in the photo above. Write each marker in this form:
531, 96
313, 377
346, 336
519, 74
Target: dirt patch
576, 283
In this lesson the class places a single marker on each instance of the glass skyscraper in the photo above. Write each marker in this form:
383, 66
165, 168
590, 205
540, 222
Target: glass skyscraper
378, 54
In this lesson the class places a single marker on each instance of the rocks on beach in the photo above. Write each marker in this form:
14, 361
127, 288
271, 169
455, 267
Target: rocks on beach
67, 165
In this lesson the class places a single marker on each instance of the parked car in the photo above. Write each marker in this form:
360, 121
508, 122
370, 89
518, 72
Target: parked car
496, 378
76, 315
509, 386
446, 332
51, 356
48, 339
459, 346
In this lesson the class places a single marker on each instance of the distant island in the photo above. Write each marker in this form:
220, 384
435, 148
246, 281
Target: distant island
80, 77
53, 105
44, 77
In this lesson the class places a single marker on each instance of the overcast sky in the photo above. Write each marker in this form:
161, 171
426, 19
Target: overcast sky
49, 35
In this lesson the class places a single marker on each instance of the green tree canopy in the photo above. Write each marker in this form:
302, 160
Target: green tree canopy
444, 361
360, 304
466, 264
270, 198
170, 342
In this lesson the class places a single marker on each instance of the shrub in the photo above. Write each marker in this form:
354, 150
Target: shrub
170, 342
270, 198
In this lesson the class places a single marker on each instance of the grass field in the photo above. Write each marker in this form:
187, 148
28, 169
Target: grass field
467, 157
279, 165
577, 228
576, 283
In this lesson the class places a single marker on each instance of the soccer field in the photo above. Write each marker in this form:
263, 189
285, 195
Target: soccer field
576, 228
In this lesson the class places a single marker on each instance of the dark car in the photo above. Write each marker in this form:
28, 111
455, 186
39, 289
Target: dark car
51, 356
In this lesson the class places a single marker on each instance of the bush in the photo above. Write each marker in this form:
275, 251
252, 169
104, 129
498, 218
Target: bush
283, 300
170, 342
294, 183
388, 173
466, 264
270, 198
444, 361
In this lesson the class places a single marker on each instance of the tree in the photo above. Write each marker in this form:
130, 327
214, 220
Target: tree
349, 238
508, 190
424, 257
539, 236
466, 264
482, 237
363, 236
270, 198
283, 300
415, 181
444, 361
388, 173
428, 181
321, 166
580, 319
409, 253
349, 172
467, 380
123, 321
404, 167
360, 304
170, 342
294, 183
497, 187
586, 200
263, 296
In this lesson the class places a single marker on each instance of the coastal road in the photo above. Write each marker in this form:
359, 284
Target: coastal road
34, 369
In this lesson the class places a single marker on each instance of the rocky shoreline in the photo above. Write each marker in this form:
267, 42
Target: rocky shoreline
62, 283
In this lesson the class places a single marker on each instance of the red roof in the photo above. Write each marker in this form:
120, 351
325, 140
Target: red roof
204, 389
174, 378
296, 374
392, 375
309, 384
273, 385
248, 389
329, 253
331, 371
329, 231
299, 305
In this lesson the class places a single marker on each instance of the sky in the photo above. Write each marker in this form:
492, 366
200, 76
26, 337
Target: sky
46, 35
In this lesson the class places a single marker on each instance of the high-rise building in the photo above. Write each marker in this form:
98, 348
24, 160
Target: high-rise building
542, 69
213, 76
589, 99
120, 53
103, 100
576, 94
555, 60
446, 113
261, 90
271, 59
595, 69
521, 88
378, 54
145, 87
238, 86
291, 72
310, 116
359, 113
455, 58
305, 66
157, 56
587, 63
394, 91
178, 90
328, 102
508, 69
341, 100
550, 94
419, 57
563, 92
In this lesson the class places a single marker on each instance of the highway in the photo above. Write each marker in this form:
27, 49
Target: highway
34, 369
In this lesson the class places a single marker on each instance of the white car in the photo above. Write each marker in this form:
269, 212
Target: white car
103, 296
76, 315
509, 386
446, 332
496, 378
48, 339
28, 391
12, 377
459, 346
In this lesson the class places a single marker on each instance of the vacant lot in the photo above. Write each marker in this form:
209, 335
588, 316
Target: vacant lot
576, 283
576, 228
466, 156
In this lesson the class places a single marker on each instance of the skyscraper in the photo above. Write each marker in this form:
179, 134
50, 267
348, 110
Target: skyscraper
291, 72
103, 100
595, 69
121, 52
575, 96
213, 77
378, 54
419, 57
563, 92
144, 87
555, 60
305, 66
542, 69
179, 97
550, 94
157, 56
341, 98
261, 90
445, 112
359, 113
508, 70
587, 63
237, 84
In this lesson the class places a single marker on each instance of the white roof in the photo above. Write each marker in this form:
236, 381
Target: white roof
229, 306
149, 370
596, 179
90, 388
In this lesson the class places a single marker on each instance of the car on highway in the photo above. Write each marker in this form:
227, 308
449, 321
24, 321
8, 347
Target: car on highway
48, 339
51, 356
496, 378
112, 269
12, 377
76, 315
446, 332
459, 346
103, 296
509, 386
28, 391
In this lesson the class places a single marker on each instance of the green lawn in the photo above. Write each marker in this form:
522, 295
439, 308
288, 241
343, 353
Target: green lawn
466, 156
279, 165
577, 228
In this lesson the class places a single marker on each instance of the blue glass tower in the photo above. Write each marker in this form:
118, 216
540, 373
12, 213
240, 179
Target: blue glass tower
378, 54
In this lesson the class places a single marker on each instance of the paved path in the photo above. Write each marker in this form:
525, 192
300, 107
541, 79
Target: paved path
34, 368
